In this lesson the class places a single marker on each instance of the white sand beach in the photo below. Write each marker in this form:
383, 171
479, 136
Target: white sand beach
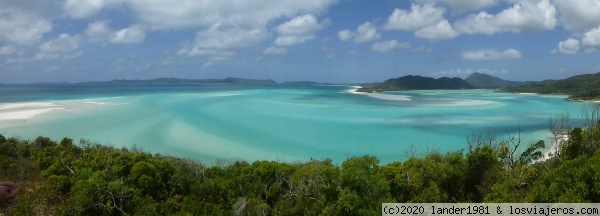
381, 96
23, 111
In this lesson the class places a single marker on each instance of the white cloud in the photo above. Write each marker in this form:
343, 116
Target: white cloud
576, 15
132, 34
250, 18
98, 31
461, 6
525, 16
420, 16
63, 43
364, 33
44, 8
53, 55
22, 28
489, 54
569, 46
7, 50
219, 43
465, 72
441, 31
345, 35
86, 8
298, 30
387, 46
274, 51
63, 47
204, 13
591, 39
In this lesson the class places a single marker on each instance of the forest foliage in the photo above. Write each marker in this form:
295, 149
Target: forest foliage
411, 82
68, 178
580, 87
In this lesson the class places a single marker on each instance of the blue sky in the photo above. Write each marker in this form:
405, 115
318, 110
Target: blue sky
340, 41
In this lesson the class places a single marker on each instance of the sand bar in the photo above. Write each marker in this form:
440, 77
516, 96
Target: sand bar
27, 110
381, 96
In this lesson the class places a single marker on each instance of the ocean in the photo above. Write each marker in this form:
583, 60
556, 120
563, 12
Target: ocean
223, 122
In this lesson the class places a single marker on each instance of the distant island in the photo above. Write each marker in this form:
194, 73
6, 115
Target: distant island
584, 87
229, 80
486, 81
418, 83
579, 88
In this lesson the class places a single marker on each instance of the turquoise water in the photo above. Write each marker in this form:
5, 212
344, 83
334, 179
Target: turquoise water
285, 123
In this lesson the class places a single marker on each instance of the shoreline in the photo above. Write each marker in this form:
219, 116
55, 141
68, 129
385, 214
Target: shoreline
26, 110
551, 152
595, 100
20, 112
381, 96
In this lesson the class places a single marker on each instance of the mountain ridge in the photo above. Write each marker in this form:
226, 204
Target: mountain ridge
415, 82
481, 80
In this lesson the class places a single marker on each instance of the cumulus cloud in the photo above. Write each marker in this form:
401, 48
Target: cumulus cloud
86, 8
219, 43
298, 30
525, 16
364, 33
440, 31
64, 46
591, 39
249, 18
204, 13
460, 6
490, 54
579, 15
274, 51
132, 34
420, 16
63, 43
97, 31
7, 50
345, 35
44, 8
22, 28
569, 46
387, 46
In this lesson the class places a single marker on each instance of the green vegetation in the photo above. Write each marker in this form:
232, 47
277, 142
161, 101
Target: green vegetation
580, 87
486, 81
418, 83
62, 178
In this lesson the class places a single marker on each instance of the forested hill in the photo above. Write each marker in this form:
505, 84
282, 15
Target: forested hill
580, 87
418, 83
480, 80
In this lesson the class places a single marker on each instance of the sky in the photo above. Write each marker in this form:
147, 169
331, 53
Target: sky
337, 41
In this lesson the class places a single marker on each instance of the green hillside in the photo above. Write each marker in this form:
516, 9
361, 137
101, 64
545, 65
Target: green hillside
480, 80
580, 87
418, 83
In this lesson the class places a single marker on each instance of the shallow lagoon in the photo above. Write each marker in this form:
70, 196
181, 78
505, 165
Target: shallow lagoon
285, 123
